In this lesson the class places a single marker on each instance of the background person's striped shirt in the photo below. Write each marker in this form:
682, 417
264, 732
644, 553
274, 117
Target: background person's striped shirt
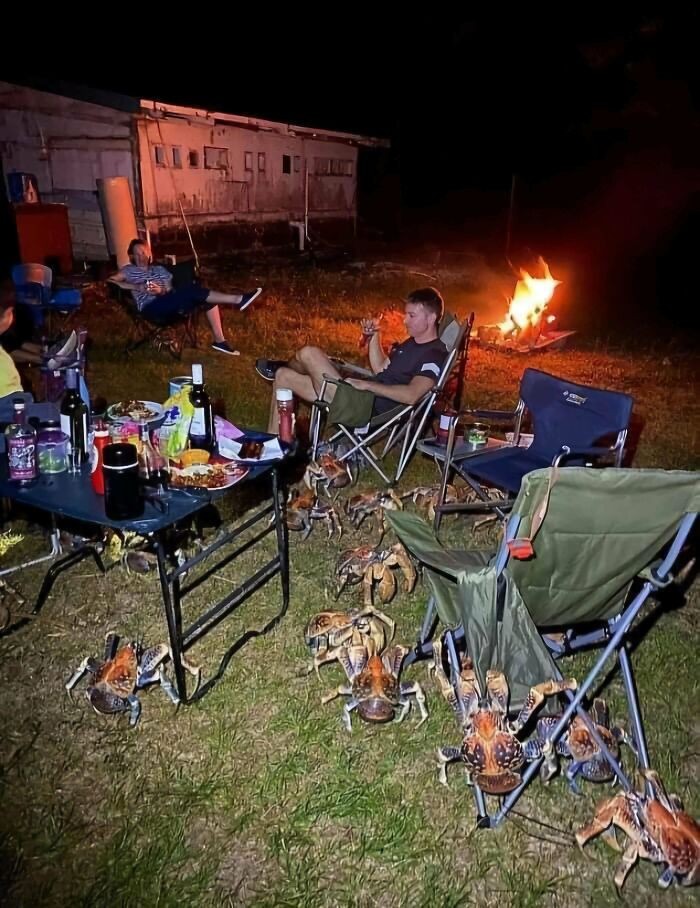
138, 276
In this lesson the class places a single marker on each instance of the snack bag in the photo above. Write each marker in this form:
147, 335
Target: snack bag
173, 434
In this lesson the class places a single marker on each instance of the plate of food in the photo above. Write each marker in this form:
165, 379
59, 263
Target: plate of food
211, 476
135, 411
251, 449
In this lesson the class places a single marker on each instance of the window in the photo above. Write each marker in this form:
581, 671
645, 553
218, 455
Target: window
215, 158
248, 158
261, 161
286, 163
297, 163
193, 158
159, 155
332, 167
177, 156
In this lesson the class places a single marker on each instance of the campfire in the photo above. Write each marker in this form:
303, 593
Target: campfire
527, 325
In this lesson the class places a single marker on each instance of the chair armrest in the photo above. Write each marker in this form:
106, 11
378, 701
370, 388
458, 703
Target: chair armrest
499, 415
345, 366
566, 453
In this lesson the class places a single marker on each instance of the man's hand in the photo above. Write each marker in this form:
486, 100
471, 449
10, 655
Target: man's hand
155, 288
370, 325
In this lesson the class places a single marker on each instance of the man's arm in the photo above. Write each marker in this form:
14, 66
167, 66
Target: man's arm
378, 359
120, 280
402, 394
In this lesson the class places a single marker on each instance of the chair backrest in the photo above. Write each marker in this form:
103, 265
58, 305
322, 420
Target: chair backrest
565, 413
32, 283
601, 528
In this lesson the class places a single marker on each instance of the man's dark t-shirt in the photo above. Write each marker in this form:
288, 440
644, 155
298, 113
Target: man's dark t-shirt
405, 362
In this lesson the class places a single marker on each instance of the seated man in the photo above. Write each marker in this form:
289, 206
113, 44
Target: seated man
403, 377
152, 289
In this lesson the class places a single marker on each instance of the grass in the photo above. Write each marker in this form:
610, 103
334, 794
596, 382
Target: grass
257, 795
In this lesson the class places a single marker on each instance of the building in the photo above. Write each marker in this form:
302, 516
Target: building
234, 180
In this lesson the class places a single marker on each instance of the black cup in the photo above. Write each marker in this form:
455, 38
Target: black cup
123, 499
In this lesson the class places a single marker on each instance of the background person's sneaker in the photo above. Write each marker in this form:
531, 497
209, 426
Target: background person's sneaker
225, 347
266, 368
247, 298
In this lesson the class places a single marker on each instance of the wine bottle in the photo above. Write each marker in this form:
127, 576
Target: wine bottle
202, 425
74, 416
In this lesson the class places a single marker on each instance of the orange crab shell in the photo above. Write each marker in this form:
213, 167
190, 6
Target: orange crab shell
492, 754
678, 836
377, 691
119, 673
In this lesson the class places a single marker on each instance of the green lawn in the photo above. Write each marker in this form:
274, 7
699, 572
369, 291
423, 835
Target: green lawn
257, 795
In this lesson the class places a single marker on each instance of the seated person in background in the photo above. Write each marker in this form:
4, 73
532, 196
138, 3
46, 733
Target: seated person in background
403, 377
9, 376
157, 300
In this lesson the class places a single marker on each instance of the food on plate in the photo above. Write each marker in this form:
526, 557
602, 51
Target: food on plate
134, 409
206, 476
251, 450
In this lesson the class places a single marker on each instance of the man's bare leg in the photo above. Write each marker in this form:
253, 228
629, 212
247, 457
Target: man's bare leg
306, 386
227, 299
214, 319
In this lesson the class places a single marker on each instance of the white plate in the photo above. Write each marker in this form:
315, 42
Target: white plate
157, 410
271, 451
233, 473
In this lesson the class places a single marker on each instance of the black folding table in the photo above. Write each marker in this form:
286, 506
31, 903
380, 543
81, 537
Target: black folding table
72, 496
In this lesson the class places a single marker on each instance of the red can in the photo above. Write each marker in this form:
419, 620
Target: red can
101, 439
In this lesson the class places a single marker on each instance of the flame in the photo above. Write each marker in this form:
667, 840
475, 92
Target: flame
532, 294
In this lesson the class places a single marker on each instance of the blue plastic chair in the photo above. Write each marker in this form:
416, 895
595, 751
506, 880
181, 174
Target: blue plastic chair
572, 424
33, 283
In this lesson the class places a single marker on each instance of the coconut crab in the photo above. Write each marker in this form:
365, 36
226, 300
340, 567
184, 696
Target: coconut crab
491, 752
116, 680
375, 689
579, 745
657, 828
429, 497
361, 506
303, 507
329, 630
330, 472
369, 565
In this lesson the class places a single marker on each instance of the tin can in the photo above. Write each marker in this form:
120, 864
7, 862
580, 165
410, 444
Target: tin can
96, 475
176, 384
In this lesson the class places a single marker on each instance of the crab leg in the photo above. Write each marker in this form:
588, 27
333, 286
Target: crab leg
76, 676
417, 691
347, 718
446, 755
135, 705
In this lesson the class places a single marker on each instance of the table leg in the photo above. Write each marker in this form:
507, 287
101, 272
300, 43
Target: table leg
282, 536
63, 564
173, 615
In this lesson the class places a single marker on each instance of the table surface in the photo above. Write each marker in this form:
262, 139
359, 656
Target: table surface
72, 495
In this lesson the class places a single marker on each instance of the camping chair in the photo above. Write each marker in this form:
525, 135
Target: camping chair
351, 410
172, 334
573, 424
33, 288
583, 552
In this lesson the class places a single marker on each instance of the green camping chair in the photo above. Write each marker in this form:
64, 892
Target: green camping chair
351, 410
578, 543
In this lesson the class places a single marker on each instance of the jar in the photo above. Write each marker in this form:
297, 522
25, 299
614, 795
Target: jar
120, 467
477, 434
443, 431
52, 447
285, 411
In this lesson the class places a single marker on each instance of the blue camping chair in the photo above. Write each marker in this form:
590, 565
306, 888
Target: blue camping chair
573, 425
33, 288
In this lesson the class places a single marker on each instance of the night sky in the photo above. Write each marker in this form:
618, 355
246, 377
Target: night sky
594, 112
